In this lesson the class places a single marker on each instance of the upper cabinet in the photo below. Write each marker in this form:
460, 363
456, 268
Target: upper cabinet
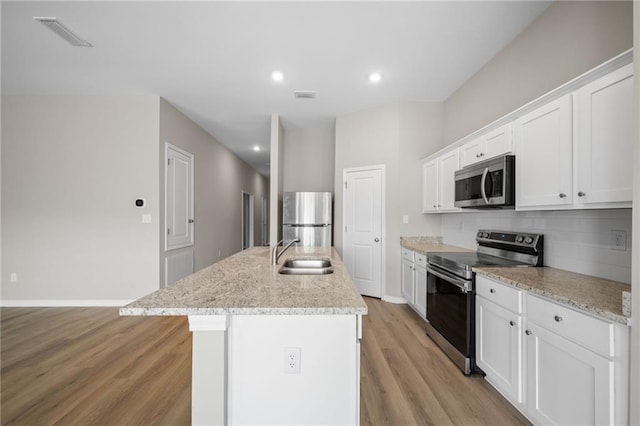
591, 168
573, 146
489, 145
438, 183
544, 144
605, 140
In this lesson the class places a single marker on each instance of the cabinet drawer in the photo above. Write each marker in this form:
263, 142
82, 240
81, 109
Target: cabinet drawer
500, 294
407, 254
585, 330
421, 260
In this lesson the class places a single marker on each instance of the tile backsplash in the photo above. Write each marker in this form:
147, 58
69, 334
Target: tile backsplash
574, 240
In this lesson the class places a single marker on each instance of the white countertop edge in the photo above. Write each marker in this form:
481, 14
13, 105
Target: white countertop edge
240, 311
583, 307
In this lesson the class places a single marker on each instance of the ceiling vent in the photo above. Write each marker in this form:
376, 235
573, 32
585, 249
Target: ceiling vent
304, 94
63, 31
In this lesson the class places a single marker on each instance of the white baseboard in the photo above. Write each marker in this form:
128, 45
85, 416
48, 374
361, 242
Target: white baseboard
394, 299
23, 303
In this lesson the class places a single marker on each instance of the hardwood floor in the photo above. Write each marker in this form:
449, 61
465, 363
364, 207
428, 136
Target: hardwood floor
90, 366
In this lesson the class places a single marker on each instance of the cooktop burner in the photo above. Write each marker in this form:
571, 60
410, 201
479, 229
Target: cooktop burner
461, 263
495, 248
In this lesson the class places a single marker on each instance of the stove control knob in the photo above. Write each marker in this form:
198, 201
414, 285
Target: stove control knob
486, 235
519, 239
480, 234
528, 240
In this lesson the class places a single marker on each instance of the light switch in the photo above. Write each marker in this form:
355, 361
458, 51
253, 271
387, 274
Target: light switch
405, 218
146, 218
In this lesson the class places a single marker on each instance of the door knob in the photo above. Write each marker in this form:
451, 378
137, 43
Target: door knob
377, 240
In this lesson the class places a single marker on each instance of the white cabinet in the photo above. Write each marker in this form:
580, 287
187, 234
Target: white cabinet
544, 150
591, 168
564, 379
414, 280
605, 139
407, 281
499, 338
438, 183
489, 145
551, 361
430, 184
420, 294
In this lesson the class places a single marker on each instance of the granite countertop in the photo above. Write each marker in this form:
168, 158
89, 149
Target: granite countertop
426, 245
247, 284
593, 295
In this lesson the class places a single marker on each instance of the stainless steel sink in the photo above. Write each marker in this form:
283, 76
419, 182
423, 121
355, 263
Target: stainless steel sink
306, 266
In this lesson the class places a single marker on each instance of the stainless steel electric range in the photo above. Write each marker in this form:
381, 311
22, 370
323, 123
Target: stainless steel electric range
451, 288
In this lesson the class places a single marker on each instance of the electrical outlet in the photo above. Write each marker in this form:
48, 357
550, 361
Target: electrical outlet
618, 240
219, 253
13, 277
146, 218
292, 360
405, 218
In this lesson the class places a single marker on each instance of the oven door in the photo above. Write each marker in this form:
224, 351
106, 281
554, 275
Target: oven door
450, 308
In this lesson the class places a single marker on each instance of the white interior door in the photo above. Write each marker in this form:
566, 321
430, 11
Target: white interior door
179, 198
363, 232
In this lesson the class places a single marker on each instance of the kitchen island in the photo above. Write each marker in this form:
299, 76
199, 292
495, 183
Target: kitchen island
248, 321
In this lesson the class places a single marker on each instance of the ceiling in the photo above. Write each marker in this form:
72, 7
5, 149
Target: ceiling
213, 60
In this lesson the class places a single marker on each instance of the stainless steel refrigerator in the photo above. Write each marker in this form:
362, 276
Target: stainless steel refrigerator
307, 216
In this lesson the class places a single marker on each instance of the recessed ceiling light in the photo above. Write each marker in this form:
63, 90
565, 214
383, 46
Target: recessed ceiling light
256, 148
375, 77
277, 76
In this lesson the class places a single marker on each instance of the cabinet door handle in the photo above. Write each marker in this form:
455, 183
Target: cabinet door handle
581, 194
558, 318
562, 195
493, 290
527, 332
377, 240
512, 323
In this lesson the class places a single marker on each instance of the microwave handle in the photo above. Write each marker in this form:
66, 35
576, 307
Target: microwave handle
482, 182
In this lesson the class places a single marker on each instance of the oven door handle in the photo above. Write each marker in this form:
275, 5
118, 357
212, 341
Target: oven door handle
452, 279
483, 181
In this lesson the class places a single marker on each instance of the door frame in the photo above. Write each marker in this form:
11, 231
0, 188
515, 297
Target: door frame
383, 225
169, 146
251, 217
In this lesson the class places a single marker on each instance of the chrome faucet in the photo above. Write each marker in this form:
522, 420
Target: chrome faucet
274, 253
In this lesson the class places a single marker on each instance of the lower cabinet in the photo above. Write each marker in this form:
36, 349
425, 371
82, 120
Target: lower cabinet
407, 281
567, 384
553, 363
414, 280
499, 347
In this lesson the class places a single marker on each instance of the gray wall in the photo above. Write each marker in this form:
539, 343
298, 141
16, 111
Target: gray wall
219, 179
398, 136
308, 160
72, 167
569, 38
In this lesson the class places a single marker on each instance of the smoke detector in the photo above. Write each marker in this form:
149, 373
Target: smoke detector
63, 31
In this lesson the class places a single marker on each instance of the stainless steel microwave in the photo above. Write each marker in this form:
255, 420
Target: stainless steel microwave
488, 184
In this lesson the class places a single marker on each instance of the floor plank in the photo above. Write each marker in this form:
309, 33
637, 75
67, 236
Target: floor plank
91, 366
